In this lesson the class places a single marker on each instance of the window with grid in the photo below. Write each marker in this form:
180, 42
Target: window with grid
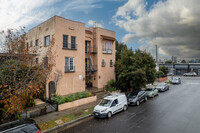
73, 42
31, 44
111, 63
104, 46
36, 60
109, 47
69, 64
46, 61
36, 42
103, 63
65, 41
47, 40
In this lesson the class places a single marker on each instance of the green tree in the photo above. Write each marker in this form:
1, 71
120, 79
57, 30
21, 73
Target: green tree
119, 48
145, 60
134, 70
168, 62
183, 61
164, 69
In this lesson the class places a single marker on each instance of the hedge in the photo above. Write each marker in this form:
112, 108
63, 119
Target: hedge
71, 97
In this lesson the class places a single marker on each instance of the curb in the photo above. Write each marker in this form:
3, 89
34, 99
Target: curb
67, 124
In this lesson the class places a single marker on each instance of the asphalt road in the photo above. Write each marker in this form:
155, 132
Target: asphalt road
173, 111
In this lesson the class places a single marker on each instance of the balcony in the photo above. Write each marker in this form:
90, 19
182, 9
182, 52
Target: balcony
70, 46
91, 68
107, 51
69, 69
89, 49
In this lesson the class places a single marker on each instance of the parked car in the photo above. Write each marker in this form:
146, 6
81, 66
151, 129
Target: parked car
162, 87
176, 80
151, 91
190, 74
20, 126
170, 74
110, 105
136, 97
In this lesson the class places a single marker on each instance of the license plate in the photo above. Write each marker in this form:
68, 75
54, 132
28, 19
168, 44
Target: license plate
96, 113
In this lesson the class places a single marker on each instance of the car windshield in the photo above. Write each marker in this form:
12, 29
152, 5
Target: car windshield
161, 84
149, 89
105, 103
175, 79
132, 94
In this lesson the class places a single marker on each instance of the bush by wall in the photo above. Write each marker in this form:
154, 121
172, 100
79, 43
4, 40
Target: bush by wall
71, 97
111, 86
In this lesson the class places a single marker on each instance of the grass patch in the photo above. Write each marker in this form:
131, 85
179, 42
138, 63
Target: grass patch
65, 119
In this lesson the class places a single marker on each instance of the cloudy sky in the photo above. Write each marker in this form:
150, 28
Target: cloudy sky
173, 25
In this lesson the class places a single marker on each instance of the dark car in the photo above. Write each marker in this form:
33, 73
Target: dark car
162, 87
20, 126
136, 97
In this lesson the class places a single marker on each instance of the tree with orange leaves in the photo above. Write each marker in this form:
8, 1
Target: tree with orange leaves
20, 79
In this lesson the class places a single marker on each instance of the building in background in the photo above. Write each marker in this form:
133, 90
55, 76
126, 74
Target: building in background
181, 68
82, 56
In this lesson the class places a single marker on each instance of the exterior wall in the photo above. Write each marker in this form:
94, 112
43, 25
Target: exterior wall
105, 73
70, 82
44, 29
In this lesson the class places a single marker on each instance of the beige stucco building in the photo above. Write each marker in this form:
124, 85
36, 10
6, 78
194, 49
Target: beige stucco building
81, 55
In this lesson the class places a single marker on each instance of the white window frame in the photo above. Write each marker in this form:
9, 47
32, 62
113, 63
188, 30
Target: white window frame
69, 62
109, 47
104, 47
47, 40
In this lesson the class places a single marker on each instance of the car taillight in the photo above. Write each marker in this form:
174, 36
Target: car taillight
38, 132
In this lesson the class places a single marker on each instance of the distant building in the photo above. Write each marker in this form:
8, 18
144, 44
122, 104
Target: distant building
82, 55
181, 68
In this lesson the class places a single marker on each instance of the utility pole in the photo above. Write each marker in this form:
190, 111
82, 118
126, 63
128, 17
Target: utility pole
157, 64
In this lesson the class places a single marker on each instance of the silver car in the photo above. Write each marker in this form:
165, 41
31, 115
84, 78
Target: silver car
190, 74
176, 80
162, 87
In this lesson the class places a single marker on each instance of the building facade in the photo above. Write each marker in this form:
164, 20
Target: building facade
82, 56
181, 68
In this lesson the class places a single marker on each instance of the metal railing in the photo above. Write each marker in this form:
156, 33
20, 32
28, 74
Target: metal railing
107, 51
103, 64
70, 46
91, 68
91, 49
69, 68
111, 64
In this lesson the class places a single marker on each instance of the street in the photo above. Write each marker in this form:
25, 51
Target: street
173, 111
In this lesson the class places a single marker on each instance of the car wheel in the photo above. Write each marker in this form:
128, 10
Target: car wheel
137, 103
146, 98
109, 114
125, 108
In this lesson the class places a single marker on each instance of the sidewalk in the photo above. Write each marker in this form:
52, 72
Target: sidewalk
55, 115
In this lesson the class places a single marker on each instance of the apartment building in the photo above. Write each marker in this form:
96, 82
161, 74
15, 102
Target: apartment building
82, 56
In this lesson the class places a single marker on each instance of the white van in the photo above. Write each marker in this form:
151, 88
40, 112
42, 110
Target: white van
110, 105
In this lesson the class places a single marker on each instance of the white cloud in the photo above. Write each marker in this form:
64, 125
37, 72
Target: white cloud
94, 24
173, 25
15, 13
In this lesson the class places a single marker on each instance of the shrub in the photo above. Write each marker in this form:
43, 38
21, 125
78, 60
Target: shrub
111, 85
160, 74
111, 89
71, 97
